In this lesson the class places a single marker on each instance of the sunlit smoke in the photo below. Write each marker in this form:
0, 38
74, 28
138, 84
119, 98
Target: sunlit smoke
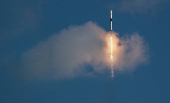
87, 44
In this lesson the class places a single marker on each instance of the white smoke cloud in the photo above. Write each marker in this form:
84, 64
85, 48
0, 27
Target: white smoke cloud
129, 51
64, 54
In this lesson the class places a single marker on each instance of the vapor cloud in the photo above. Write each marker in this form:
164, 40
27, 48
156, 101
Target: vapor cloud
138, 6
65, 54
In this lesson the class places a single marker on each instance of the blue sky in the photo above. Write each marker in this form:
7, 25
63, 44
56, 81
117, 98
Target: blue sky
23, 24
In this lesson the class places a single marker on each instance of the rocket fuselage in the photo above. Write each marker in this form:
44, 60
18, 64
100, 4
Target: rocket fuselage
110, 20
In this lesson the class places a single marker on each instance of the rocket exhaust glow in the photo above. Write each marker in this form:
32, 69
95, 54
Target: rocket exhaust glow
111, 43
111, 57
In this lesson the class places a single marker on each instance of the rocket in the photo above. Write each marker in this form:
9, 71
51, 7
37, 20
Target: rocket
110, 20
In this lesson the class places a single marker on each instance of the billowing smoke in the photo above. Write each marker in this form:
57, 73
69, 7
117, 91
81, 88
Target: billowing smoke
65, 55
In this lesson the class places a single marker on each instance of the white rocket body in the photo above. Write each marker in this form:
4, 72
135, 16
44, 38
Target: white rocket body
110, 20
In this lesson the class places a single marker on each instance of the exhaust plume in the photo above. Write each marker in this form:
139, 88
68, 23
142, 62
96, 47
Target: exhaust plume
65, 55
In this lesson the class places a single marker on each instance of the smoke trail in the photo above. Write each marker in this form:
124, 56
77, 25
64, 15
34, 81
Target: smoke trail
65, 54
111, 56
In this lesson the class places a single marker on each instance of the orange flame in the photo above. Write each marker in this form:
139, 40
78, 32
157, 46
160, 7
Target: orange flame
111, 43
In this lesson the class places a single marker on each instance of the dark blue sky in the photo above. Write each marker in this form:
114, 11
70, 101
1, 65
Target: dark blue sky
25, 23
